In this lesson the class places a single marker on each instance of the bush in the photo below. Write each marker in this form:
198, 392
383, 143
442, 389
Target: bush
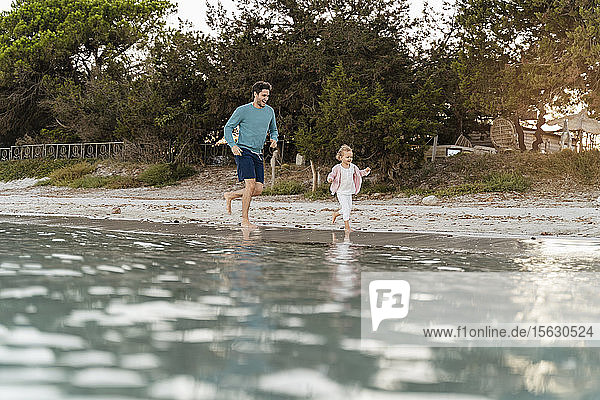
322, 193
165, 174
122, 182
284, 188
65, 176
88, 182
495, 182
110, 182
36, 168
370, 188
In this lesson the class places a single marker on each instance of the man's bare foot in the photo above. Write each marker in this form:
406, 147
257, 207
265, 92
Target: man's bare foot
248, 224
228, 197
335, 215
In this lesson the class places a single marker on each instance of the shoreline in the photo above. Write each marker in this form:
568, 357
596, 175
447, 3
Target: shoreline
491, 215
430, 241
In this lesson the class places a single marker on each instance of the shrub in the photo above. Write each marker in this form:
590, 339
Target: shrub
322, 193
284, 188
122, 182
89, 182
36, 168
165, 174
369, 188
110, 182
65, 176
495, 182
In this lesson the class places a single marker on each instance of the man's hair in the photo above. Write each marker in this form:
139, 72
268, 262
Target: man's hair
260, 86
341, 151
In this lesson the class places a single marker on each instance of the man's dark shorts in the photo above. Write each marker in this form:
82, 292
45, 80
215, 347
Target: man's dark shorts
250, 166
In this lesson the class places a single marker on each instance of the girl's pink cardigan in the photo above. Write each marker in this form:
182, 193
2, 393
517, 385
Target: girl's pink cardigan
336, 175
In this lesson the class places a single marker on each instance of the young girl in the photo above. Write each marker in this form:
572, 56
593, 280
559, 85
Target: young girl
345, 179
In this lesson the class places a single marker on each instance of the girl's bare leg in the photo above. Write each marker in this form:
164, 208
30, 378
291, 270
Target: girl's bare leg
335, 215
347, 226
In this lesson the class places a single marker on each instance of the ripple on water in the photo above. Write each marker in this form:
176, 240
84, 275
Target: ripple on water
108, 378
140, 361
32, 337
31, 375
29, 392
110, 268
183, 387
67, 257
149, 245
37, 356
22, 293
89, 358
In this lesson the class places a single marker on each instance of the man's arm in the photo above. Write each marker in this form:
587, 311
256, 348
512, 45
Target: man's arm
233, 121
273, 133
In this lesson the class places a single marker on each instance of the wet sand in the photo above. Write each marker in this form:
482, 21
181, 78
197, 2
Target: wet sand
193, 205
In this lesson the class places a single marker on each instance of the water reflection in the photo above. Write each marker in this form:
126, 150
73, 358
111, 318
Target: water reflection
90, 314
345, 276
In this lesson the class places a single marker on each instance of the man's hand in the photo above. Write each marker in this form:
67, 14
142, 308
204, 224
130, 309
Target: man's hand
368, 170
236, 150
329, 180
273, 144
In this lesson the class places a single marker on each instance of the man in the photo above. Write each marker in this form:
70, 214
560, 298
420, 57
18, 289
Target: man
254, 120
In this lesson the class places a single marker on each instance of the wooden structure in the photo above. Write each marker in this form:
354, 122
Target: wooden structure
505, 138
462, 145
504, 135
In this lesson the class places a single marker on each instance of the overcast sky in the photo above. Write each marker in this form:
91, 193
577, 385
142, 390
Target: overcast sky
194, 10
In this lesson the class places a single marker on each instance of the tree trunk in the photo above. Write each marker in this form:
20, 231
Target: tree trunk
520, 133
314, 176
535, 146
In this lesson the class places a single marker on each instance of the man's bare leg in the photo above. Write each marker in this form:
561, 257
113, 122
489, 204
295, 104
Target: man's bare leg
229, 196
238, 194
252, 188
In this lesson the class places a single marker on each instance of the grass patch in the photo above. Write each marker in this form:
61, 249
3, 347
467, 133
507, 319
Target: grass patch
109, 182
165, 174
322, 193
37, 168
495, 182
284, 188
369, 187
416, 192
67, 175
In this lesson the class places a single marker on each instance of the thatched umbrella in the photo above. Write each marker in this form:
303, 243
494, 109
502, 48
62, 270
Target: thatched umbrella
578, 122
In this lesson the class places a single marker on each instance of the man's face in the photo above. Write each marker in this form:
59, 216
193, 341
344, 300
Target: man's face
261, 98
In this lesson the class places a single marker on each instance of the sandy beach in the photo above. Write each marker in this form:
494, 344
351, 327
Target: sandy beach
199, 200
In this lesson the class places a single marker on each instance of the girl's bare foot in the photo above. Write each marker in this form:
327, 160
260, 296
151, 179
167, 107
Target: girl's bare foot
335, 215
248, 224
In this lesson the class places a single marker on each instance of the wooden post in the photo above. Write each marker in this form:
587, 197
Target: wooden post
273, 163
314, 176
434, 149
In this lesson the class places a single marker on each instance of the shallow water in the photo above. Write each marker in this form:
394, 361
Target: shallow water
98, 314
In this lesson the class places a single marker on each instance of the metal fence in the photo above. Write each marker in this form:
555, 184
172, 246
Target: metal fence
72, 150
145, 152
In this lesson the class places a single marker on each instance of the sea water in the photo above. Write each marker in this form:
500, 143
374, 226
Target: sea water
97, 313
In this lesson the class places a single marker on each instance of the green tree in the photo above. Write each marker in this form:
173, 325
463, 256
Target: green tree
51, 45
389, 135
521, 56
295, 45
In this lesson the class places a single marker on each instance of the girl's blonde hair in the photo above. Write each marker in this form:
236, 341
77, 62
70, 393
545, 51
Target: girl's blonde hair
341, 151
